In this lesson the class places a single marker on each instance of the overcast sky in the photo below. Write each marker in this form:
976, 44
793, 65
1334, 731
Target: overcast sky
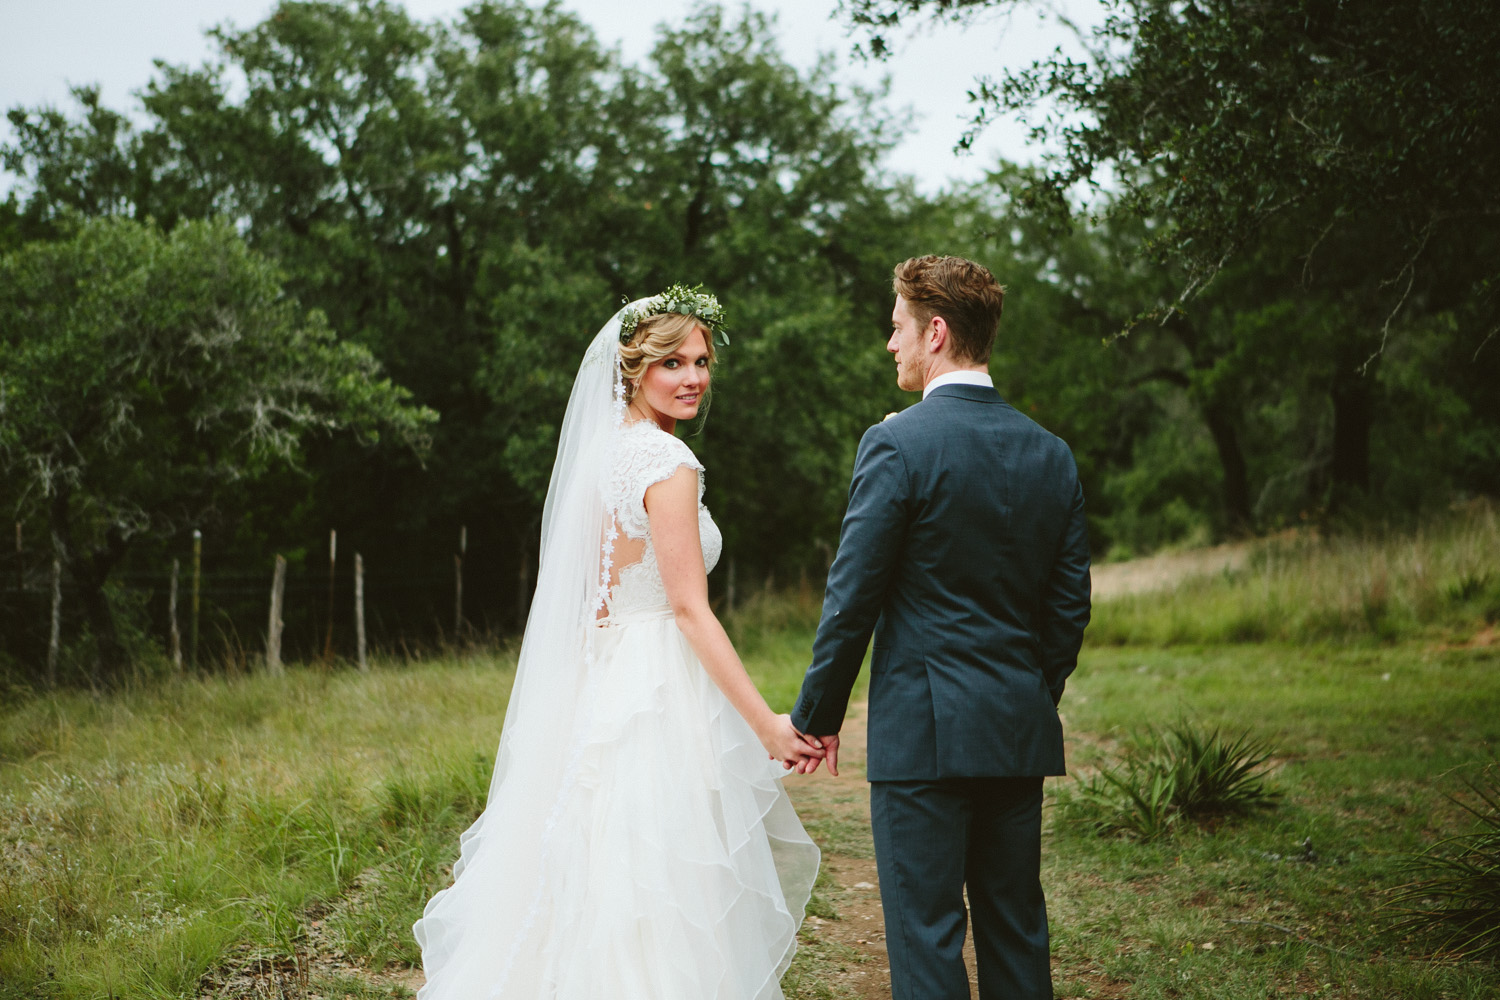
46, 45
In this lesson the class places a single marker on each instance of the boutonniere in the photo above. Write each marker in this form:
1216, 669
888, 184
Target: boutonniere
887, 416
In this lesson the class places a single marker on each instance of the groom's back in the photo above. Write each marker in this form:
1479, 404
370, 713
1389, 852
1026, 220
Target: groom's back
964, 668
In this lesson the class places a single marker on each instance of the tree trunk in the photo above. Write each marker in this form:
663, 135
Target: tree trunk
90, 574
1353, 413
109, 655
1219, 417
1237, 515
697, 209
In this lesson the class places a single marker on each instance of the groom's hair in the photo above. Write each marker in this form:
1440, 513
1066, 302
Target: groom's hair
964, 293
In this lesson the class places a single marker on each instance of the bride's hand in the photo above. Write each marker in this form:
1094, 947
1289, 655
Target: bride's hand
784, 743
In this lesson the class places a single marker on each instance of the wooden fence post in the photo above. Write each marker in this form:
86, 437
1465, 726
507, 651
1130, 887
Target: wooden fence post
174, 634
359, 612
274, 626
54, 639
197, 598
333, 553
458, 583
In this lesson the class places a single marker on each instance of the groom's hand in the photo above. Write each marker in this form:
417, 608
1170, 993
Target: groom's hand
784, 743
830, 752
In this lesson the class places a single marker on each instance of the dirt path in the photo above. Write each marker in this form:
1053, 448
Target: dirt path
1157, 572
836, 812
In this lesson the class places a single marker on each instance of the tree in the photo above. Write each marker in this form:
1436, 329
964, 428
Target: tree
1342, 149
144, 375
471, 199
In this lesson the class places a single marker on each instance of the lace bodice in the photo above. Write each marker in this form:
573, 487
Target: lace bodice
644, 455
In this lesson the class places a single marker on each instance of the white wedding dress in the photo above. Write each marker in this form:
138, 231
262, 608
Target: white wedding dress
667, 863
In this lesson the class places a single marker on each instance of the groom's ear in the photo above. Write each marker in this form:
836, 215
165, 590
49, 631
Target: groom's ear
937, 335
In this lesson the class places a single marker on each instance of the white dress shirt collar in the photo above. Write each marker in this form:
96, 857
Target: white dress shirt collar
960, 377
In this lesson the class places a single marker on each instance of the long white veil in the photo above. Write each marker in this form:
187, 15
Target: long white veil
573, 565
537, 762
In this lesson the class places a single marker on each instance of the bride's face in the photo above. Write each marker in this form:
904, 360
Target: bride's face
674, 386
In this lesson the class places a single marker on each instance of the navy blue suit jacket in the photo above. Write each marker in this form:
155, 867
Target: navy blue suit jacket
964, 550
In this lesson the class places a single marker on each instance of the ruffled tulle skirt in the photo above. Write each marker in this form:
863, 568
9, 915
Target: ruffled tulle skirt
666, 864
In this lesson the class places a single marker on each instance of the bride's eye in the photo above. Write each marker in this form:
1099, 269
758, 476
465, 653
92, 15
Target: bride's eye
670, 363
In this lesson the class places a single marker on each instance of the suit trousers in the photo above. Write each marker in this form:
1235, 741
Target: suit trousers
933, 839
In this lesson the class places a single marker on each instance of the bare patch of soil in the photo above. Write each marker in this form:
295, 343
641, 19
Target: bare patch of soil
304, 976
313, 972
1166, 570
1483, 639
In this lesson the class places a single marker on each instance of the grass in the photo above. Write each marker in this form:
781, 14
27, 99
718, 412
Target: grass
145, 835
1371, 587
1293, 900
176, 829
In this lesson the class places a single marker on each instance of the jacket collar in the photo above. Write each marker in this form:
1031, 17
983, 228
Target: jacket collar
977, 393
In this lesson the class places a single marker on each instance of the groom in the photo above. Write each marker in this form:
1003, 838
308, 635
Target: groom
964, 549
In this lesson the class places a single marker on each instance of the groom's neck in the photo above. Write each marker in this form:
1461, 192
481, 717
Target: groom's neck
942, 366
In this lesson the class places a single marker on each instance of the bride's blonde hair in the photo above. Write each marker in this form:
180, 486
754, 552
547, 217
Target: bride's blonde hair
655, 338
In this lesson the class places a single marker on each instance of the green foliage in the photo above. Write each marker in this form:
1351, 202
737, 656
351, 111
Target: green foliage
1454, 893
1181, 773
469, 200
1297, 204
770, 631
1219, 124
147, 374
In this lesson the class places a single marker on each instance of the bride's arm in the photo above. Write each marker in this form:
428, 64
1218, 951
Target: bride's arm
672, 508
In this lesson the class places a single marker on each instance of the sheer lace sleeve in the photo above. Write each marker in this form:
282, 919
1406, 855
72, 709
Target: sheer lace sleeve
646, 456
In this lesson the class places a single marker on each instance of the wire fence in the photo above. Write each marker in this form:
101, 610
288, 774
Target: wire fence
451, 600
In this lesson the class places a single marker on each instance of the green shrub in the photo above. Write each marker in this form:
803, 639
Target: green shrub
1182, 773
1454, 892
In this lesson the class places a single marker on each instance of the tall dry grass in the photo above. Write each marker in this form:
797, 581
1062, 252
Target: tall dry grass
1440, 582
146, 834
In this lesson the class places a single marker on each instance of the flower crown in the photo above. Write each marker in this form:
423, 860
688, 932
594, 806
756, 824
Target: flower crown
680, 299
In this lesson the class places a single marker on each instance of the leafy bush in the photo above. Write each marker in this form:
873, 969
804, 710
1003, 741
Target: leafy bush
1181, 773
1454, 893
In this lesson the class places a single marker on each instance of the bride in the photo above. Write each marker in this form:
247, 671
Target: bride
637, 843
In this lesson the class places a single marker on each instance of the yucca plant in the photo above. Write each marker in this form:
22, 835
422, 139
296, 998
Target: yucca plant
1165, 777
1454, 893
1131, 799
1214, 775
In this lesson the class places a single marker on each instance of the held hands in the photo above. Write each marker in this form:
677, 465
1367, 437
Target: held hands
784, 743
830, 745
